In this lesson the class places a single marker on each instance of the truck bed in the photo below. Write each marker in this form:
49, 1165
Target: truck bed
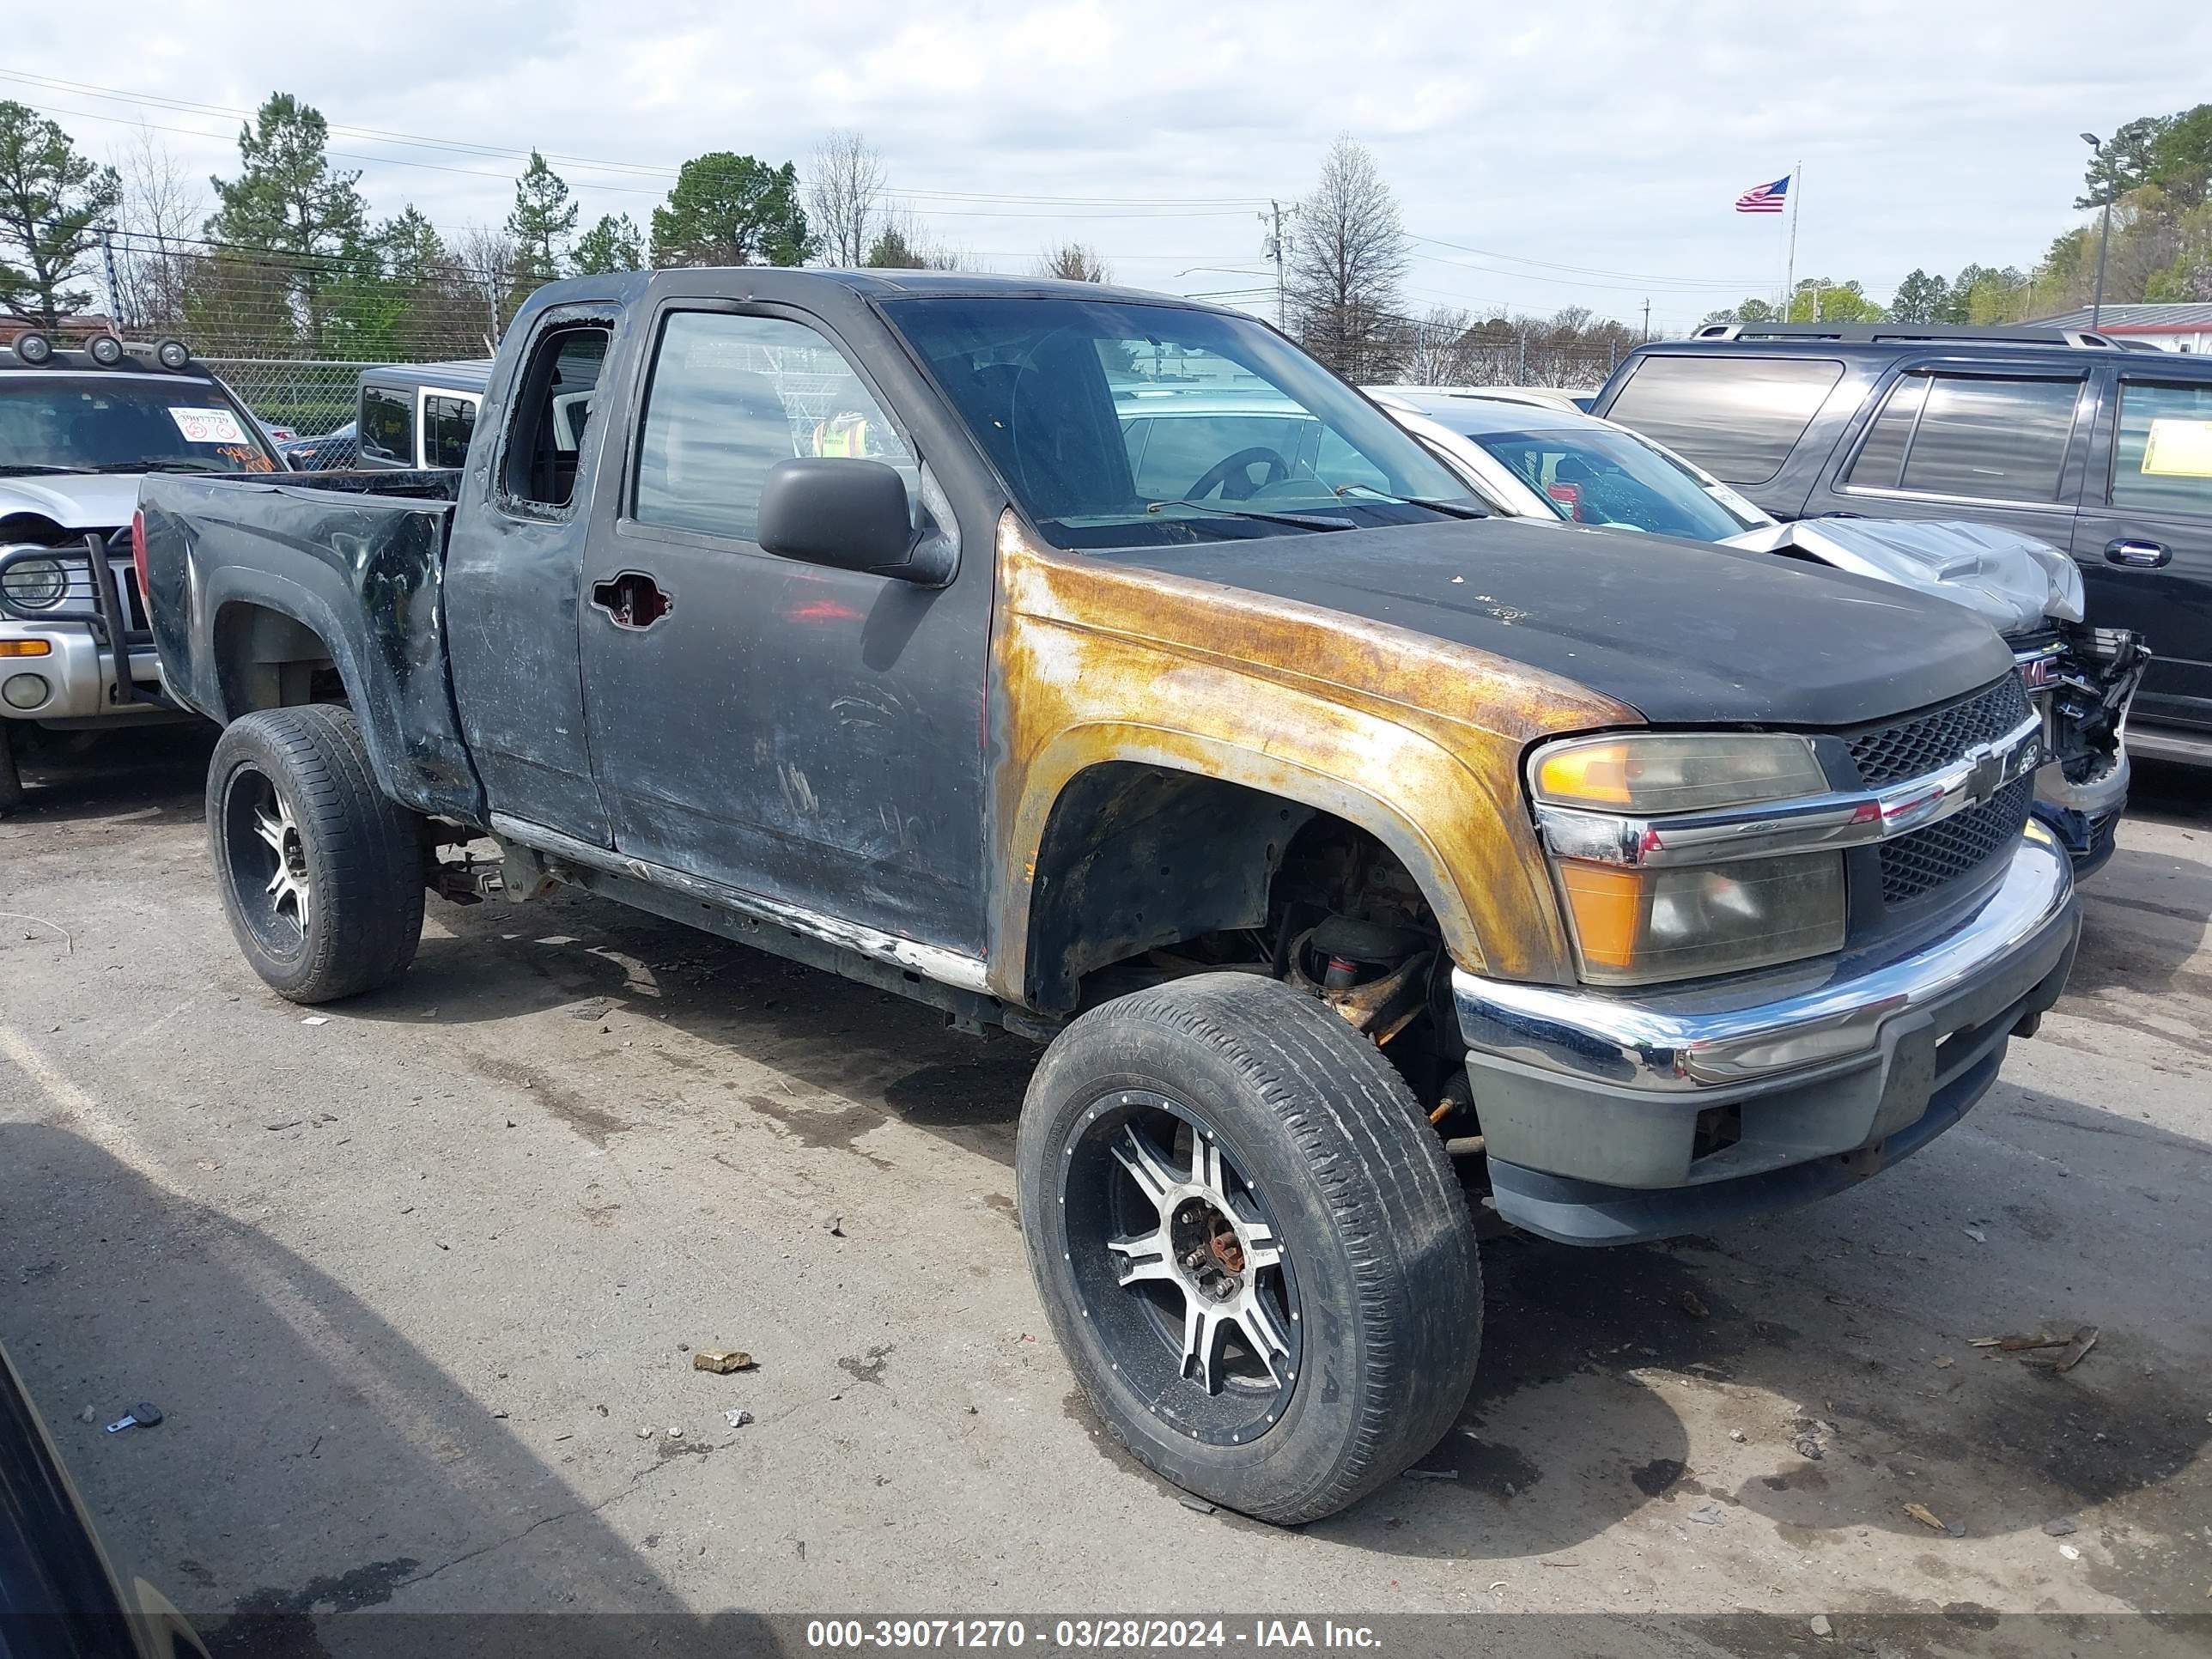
357, 558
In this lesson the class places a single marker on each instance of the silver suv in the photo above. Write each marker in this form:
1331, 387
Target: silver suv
78, 429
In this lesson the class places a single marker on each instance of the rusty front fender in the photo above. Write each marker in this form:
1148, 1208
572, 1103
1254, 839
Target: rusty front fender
1416, 740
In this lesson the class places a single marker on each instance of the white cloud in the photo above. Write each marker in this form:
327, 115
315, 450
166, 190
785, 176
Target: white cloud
1608, 137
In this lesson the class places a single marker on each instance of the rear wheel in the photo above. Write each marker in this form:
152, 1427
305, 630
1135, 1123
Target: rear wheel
321, 872
1249, 1243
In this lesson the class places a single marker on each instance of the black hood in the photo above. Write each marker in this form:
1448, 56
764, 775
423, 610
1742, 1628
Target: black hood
1683, 632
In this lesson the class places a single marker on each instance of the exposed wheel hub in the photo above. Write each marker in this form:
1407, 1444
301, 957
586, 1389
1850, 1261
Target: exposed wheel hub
1208, 1250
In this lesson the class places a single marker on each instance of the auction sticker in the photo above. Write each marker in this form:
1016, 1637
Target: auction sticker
2179, 449
207, 426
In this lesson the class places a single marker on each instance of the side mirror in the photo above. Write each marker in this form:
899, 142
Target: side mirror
847, 514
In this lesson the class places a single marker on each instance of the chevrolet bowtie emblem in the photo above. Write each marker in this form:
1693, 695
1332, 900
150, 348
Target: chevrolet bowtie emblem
1987, 777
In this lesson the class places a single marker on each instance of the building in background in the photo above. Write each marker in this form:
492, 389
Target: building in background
2186, 327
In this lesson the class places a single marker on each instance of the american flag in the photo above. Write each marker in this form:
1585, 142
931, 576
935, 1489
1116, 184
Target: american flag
1764, 198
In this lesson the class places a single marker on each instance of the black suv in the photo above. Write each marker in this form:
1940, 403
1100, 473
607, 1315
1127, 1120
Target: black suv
2101, 450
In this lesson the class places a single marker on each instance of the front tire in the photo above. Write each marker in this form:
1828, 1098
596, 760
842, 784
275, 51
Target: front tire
1249, 1243
321, 872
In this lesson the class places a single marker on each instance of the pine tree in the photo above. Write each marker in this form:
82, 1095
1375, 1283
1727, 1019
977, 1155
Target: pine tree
613, 244
288, 203
53, 205
543, 221
730, 210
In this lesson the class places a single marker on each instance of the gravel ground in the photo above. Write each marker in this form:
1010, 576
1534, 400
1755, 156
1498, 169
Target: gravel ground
416, 1288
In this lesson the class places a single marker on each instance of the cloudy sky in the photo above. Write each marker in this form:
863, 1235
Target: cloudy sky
1543, 155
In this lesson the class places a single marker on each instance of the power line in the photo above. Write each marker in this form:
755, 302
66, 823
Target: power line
460, 147
929, 199
1587, 270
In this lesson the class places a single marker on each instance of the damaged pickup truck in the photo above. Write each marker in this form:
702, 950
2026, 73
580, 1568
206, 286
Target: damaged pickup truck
1361, 861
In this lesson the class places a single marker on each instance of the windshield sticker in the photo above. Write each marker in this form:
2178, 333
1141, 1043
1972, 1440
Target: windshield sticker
207, 426
2179, 449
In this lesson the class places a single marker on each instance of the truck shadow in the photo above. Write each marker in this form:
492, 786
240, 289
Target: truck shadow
845, 1046
2148, 917
147, 774
316, 1475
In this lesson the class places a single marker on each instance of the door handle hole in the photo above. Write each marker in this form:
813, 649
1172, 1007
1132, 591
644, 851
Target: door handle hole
631, 599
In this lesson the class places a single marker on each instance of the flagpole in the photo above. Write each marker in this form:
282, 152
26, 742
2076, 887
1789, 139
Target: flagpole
1789, 270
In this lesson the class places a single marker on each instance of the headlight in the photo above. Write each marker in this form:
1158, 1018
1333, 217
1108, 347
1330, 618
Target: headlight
36, 584
1636, 927
1640, 907
1654, 772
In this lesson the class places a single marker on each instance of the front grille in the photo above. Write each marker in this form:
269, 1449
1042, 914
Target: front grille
1928, 858
1914, 747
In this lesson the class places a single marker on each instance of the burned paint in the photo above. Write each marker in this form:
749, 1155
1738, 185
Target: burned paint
1412, 738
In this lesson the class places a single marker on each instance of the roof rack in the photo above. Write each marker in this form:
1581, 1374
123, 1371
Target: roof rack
1908, 334
32, 348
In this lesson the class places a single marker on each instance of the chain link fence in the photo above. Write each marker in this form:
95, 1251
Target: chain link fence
314, 396
309, 397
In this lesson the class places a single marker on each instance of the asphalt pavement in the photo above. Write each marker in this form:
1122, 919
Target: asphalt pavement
416, 1281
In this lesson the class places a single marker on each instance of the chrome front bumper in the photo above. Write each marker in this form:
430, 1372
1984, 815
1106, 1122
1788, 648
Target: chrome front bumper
1609, 1118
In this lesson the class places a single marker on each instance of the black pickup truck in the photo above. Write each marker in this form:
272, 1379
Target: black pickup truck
1366, 865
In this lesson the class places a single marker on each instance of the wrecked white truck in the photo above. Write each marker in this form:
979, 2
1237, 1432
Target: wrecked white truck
1360, 860
1557, 465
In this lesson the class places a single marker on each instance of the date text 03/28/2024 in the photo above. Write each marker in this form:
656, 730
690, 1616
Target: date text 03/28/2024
1087, 1634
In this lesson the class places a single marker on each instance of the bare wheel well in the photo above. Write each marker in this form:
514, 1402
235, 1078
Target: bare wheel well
266, 659
1135, 858
1147, 873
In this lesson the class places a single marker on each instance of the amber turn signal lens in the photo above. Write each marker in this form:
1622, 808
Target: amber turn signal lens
1607, 903
1661, 772
26, 648
1595, 772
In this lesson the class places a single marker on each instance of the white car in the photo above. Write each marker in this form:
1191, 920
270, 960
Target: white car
1562, 466
1543, 396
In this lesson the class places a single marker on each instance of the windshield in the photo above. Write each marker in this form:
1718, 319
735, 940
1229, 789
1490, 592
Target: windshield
1598, 475
58, 422
1121, 425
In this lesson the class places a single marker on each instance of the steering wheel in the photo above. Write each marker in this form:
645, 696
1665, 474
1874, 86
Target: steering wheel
1230, 471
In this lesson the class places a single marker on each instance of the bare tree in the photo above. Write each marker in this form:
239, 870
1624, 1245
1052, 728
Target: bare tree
1440, 348
1347, 268
1074, 262
902, 245
844, 198
156, 222
489, 262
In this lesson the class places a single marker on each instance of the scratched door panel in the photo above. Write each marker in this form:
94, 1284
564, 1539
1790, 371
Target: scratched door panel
809, 735
511, 594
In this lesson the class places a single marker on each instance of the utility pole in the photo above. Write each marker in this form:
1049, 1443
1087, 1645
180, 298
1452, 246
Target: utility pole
2104, 235
114, 299
1274, 249
1647, 319
1790, 269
